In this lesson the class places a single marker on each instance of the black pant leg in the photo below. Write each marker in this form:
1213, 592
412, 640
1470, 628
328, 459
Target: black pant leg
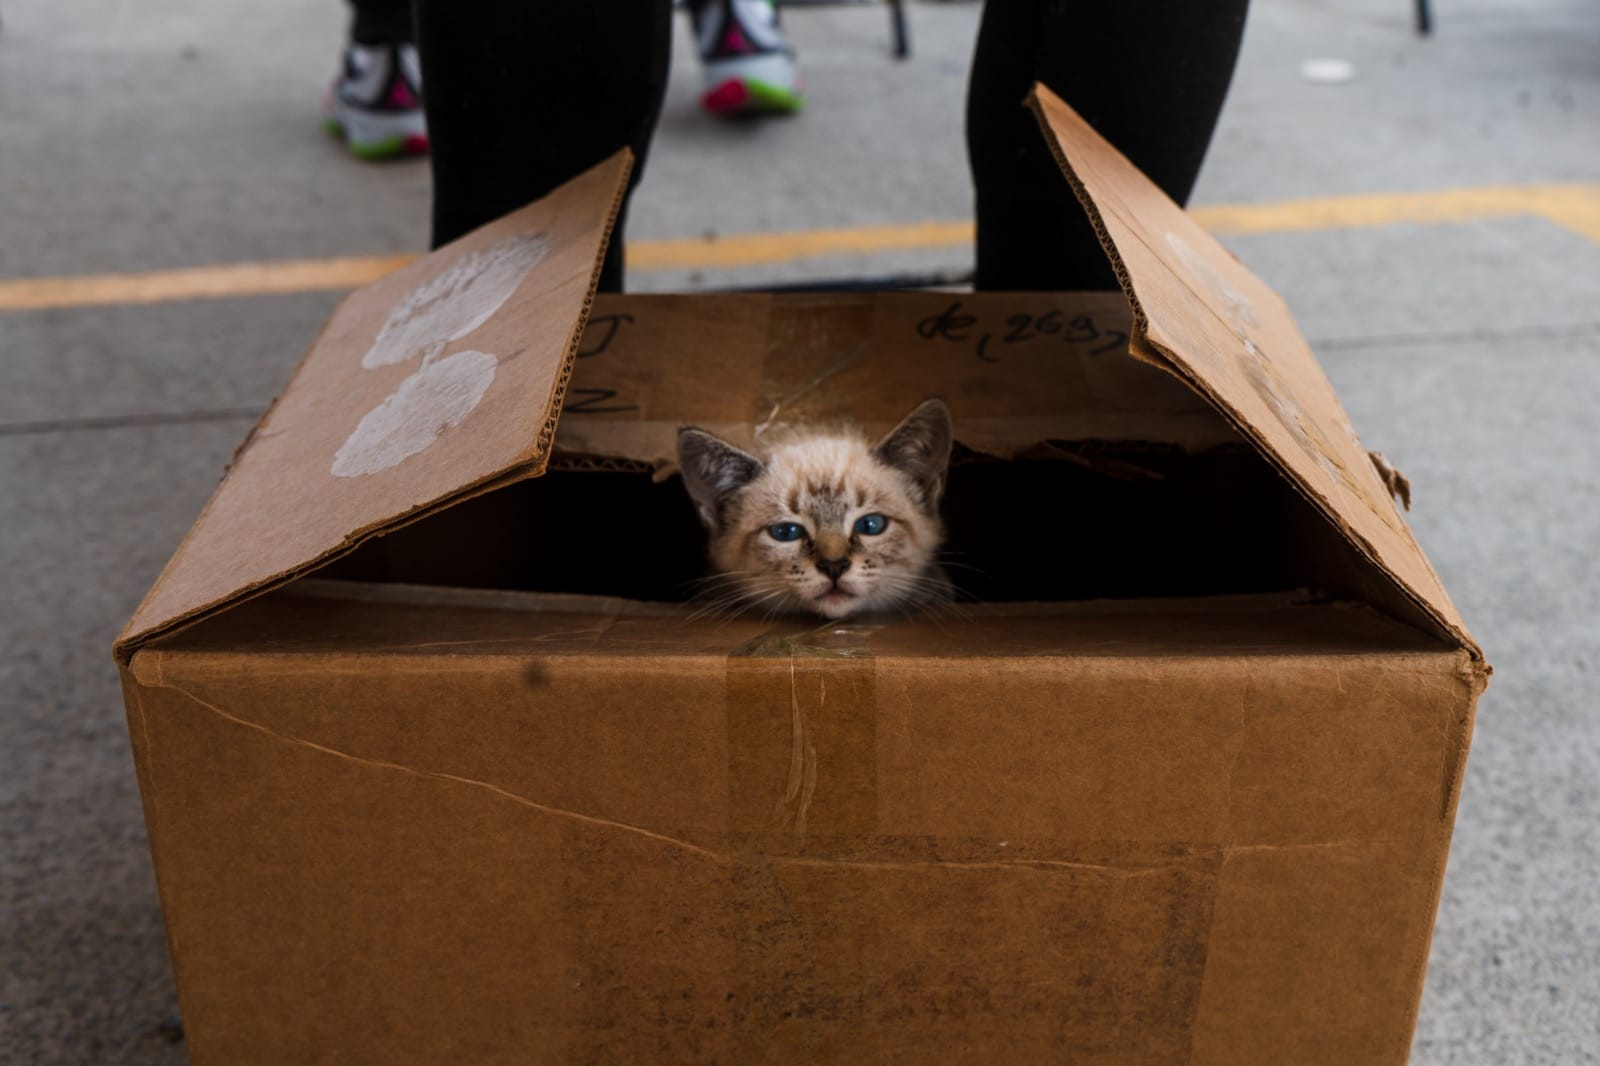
380, 21
521, 97
1149, 75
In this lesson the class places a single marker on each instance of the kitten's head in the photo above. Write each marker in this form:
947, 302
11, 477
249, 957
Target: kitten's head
825, 522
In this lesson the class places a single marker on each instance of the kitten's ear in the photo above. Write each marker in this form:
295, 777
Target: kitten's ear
920, 448
712, 469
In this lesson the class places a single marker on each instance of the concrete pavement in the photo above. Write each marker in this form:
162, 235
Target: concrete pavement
177, 133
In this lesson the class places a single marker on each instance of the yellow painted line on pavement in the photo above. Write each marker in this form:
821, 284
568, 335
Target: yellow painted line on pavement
1574, 207
197, 283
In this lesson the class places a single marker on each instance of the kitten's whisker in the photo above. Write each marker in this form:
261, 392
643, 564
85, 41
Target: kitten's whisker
926, 597
711, 582
726, 605
740, 598
953, 564
923, 595
917, 582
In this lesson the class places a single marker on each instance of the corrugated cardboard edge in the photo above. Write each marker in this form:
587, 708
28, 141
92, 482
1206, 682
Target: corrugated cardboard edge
1142, 348
1475, 677
131, 639
144, 766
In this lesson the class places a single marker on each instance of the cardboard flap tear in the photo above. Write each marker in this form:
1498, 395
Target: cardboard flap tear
465, 356
1202, 315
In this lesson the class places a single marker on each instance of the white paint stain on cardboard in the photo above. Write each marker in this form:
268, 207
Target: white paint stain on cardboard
435, 398
452, 304
1240, 312
444, 391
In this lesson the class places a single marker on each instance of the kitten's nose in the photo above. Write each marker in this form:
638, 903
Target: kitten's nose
833, 568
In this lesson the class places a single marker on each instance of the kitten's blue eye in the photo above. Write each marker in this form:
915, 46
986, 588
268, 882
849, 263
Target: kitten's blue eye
870, 525
785, 531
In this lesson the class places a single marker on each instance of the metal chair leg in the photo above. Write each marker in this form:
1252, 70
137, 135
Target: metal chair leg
902, 36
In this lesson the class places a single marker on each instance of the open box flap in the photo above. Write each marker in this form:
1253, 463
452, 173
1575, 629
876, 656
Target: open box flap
1200, 314
435, 383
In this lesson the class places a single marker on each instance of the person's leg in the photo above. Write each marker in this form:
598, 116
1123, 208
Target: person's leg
1149, 75
380, 21
524, 96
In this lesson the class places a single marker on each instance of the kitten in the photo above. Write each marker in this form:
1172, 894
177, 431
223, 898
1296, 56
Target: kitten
823, 521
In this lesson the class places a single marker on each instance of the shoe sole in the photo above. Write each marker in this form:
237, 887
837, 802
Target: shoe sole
371, 137
745, 96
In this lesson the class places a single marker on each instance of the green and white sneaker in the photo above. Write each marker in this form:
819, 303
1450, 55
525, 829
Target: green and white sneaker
376, 105
747, 63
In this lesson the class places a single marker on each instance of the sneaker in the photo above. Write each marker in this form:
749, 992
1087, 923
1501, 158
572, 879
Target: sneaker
747, 63
376, 106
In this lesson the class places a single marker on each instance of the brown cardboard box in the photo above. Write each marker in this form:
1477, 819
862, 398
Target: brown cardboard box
1182, 791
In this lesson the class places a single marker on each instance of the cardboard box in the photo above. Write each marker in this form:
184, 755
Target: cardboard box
1181, 790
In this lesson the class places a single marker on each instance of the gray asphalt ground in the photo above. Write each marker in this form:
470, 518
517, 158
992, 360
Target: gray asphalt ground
177, 133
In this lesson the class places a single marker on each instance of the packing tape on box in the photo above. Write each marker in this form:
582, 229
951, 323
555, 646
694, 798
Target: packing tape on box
802, 804
860, 934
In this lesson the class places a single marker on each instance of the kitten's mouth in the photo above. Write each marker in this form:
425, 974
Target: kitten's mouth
835, 597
